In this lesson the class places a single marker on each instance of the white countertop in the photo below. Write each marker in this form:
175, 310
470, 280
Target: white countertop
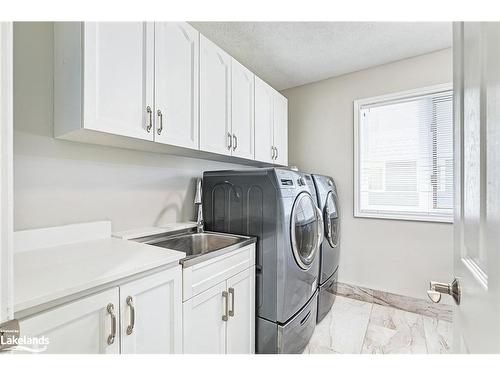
150, 231
47, 273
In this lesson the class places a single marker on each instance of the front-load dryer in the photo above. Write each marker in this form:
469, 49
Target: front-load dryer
330, 248
277, 206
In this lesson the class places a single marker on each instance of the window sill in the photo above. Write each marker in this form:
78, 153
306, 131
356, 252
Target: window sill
388, 216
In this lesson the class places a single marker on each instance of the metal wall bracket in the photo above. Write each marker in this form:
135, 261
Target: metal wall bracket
9, 334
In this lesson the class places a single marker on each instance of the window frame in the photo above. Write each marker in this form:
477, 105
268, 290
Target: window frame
357, 105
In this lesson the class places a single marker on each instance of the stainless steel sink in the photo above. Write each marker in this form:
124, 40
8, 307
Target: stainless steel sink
200, 246
199, 243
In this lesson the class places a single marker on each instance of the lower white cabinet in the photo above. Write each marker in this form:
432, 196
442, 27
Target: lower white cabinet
86, 326
150, 321
204, 329
151, 314
220, 318
241, 320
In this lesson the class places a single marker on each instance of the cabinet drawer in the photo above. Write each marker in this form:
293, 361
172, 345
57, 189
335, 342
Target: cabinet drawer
203, 276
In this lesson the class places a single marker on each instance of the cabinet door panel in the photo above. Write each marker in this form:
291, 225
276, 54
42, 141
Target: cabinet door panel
242, 111
204, 329
280, 128
241, 325
215, 98
155, 311
263, 121
118, 72
176, 83
80, 327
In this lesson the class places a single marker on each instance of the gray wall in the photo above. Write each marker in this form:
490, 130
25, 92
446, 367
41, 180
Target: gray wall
59, 182
391, 255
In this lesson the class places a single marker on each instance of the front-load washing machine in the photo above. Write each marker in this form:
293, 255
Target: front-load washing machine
277, 206
330, 248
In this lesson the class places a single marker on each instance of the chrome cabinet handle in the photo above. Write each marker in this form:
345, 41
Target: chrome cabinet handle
276, 157
224, 316
272, 152
130, 304
235, 141
321, 226
231, 310
160, 117
150, 113
111, 311
230, 139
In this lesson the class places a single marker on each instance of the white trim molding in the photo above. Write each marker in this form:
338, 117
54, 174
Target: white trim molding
6, 172
392, 97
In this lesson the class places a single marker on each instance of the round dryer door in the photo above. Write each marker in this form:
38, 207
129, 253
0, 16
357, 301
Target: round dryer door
306, 230
332, 220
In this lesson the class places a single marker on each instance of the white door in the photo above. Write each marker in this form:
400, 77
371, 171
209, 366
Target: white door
151, 314
6, 173
86, 326
242, 111
118, 85
215, 98
205, 317
477, 186
241, 322
264, 146
280, 129
176, 84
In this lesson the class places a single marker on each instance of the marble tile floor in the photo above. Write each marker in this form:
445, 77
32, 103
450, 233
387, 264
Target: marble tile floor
359, 327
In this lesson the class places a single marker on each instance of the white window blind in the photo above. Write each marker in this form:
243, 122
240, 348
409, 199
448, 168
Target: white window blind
405, 157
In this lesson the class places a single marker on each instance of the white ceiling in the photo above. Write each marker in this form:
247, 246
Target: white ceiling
288, 54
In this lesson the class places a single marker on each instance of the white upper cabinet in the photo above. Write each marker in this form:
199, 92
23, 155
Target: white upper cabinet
151, 314
215, 98
123, 83
264, 99
271, 124
117, 61
280, 129
242, 111
176, 84
87, 326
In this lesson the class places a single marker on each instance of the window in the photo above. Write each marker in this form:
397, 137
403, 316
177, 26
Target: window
403, 150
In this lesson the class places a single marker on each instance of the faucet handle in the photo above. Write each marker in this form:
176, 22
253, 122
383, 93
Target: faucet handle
197, 196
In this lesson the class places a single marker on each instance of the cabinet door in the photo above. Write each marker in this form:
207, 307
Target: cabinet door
264, 97
204, 327
215, 98
151, 313
280, 129
242, 111
80, 327
118, 77
176, 84
241, 322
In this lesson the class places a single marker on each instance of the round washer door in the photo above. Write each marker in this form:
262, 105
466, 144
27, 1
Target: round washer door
331, 219
305, 230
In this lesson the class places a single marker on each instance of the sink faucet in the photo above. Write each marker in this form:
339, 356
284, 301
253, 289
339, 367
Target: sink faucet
198, 202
